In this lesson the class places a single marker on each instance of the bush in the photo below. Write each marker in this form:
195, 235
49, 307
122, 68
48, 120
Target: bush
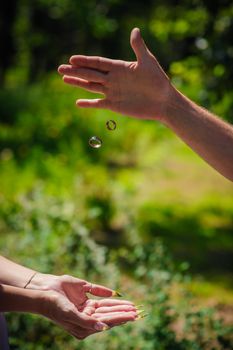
62, 244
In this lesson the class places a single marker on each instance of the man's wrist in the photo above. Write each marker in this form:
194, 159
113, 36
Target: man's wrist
177, 106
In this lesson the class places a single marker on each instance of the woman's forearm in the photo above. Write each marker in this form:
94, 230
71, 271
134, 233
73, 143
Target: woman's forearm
206, 134
21, 300
14, 274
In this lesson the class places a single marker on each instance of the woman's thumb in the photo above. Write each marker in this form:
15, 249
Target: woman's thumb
138, 44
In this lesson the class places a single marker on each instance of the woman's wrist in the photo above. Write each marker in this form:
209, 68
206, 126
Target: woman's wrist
13, 274
42, 281
44, 303
22, 300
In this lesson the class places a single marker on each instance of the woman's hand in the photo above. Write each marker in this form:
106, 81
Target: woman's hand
70, 307
93, 316
139, 89
73, 288
62, 299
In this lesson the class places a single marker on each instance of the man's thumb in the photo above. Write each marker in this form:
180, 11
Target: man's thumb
138, 44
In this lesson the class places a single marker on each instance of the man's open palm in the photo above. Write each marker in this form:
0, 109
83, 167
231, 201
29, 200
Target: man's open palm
138, 89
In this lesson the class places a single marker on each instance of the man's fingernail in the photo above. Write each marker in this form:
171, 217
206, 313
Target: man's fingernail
115, 293
99, 326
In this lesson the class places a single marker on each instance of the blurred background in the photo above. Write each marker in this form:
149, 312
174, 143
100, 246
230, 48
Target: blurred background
143, 213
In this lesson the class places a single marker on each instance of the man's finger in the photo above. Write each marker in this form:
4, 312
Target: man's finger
83, 73
87, 85
138, 45
99, 63
102, 103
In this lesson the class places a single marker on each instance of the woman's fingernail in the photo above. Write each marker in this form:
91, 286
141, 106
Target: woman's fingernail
140, 312
99, 326
116, 294
140, 317
138, 308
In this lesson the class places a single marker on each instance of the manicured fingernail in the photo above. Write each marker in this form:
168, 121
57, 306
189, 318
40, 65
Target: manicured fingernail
139, 306
141, 316
116, 294
140, 312
99, 326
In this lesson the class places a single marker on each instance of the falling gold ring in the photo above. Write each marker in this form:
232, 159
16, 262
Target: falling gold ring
111, 125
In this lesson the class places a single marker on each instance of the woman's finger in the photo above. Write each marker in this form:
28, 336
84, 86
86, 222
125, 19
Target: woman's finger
83, 73
107, 305
87, 322
99, 63
116, 318
116, 308
97, 289
92, 302
112, 302
89, 310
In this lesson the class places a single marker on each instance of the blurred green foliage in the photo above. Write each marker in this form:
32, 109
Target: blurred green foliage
61, 243
108, 214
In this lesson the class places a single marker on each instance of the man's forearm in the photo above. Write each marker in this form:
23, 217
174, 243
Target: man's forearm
14, 274
20, 300
209, 136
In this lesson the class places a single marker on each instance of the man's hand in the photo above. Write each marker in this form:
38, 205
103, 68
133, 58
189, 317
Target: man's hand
140, 89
